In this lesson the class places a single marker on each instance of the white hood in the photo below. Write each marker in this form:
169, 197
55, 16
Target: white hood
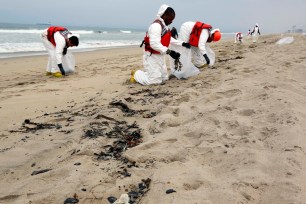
162, 10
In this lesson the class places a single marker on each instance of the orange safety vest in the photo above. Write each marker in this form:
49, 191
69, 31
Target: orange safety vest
54, 29
196, 32
165, 38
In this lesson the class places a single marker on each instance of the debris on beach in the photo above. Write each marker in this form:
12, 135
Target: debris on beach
125, 109
100, 122
40, 171
72, 200
225, 60
151, 93
134, 195
124, 199
29, 126
122, 106
124, 173
125, 136
111, 199
286, 40
139, 191
125, 139
170, 191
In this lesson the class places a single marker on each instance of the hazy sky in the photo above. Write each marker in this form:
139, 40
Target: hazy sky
228, 15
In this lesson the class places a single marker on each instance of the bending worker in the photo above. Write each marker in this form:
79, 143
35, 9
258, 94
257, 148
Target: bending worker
239, 37
57, 40
156, 42
198, 34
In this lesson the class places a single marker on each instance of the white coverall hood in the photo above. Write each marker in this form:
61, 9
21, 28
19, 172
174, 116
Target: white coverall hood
161, 10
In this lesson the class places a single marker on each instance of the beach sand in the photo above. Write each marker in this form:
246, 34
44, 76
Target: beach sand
235, 133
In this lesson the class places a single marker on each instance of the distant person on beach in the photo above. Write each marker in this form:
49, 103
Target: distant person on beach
157, 41
198, 34
239, 37
255, 33
249, 34
57, 40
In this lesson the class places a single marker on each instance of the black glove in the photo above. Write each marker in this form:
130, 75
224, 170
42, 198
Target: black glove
173, 54
65, 51
60, 66
187, 45
206, 58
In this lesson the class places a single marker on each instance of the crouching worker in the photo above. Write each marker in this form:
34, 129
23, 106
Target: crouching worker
239, 37
198, 34
156, 43
56, 41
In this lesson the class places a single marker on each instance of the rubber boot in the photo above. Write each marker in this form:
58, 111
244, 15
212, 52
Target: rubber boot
57, 74
132, 79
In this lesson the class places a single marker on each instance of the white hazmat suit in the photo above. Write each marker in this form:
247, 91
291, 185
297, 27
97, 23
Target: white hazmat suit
197, 52
155, 70
239, 37
56, 53
255, 33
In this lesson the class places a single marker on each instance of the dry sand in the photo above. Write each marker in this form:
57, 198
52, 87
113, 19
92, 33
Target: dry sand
232, 134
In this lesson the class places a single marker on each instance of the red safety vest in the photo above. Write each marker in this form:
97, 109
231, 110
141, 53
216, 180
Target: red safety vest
196, 32
165, 38
54, 29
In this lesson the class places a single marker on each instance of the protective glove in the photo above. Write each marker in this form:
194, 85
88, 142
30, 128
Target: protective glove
65, 51
187, 45
173, 54
60, 66
206, 58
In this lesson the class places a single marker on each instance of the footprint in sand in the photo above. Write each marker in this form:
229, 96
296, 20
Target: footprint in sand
294, 163
154, 128
176, 112
246, 112
192, 185
9, 198
230, 93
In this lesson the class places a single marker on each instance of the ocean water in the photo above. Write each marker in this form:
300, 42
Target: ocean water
24, 40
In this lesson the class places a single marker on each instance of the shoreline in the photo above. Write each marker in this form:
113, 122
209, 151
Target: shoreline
43, 53
227, 37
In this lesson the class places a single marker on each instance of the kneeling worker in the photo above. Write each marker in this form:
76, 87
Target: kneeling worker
156, 42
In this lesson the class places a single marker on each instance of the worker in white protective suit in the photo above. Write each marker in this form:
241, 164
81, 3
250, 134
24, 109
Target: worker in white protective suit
255, 33
157, 40
239, 37
249, 34
57, 40
198, 34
